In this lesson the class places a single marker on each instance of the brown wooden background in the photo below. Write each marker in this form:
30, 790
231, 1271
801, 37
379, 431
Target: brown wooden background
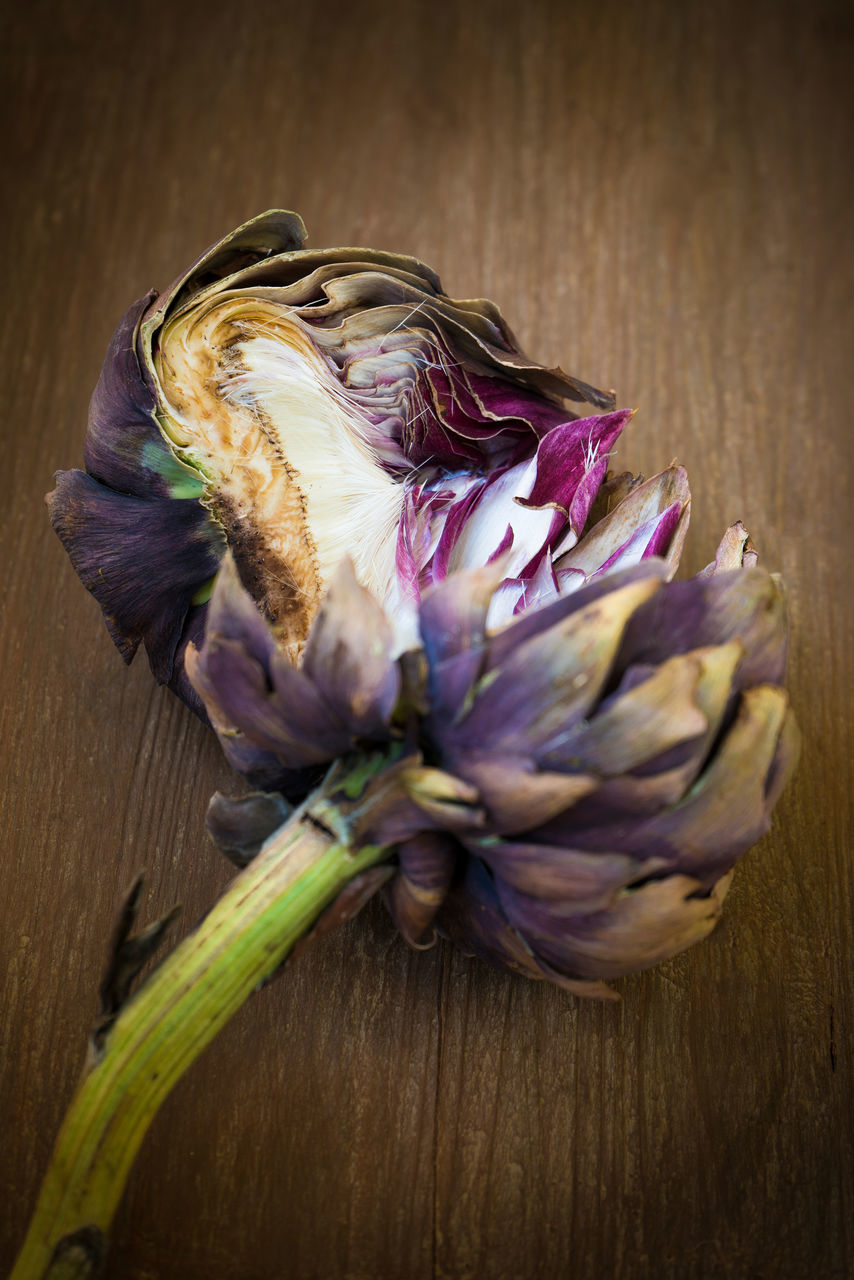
659, 196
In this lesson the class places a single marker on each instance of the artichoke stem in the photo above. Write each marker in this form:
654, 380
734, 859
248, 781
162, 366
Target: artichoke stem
164, 1027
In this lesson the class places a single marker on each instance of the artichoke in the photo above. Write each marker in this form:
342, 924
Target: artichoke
584, 749
297, 406
376, 545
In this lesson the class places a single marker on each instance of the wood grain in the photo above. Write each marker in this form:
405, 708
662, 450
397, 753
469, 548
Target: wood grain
659, 197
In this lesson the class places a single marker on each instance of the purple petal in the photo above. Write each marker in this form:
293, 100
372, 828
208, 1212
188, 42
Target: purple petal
233, 615
626, 798
724, 812
143, 559
452, 619
494, 521
746, 604
651, 539
546, 683
538, 586
240, 825
250, 687
457, 520
236, 691
125, 448
427, 864
496, 400
348, 657
581, 882
638, 929
727, 809
407, 799
642, 524
473, 919
193, 635
501, 397
571, 462
637, 725
537, 621
517, 795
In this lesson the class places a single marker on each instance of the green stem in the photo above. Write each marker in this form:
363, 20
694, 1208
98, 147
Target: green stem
164, 1028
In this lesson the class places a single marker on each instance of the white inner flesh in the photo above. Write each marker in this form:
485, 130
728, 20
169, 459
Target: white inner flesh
353, 505
487, 524
255, 404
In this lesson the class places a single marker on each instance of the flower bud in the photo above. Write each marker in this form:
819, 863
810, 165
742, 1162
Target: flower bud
349, 518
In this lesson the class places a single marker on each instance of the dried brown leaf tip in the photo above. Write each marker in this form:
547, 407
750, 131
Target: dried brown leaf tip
128, 953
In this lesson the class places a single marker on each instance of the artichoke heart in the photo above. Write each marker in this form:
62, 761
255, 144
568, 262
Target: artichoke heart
251, 402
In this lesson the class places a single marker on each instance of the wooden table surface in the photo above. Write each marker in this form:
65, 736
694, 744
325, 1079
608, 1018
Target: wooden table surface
659, 197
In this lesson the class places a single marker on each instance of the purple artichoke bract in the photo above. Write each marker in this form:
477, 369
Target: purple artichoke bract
578, 783
297, 406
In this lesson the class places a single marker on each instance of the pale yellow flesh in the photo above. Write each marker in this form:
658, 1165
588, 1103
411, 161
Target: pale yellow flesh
254, 405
